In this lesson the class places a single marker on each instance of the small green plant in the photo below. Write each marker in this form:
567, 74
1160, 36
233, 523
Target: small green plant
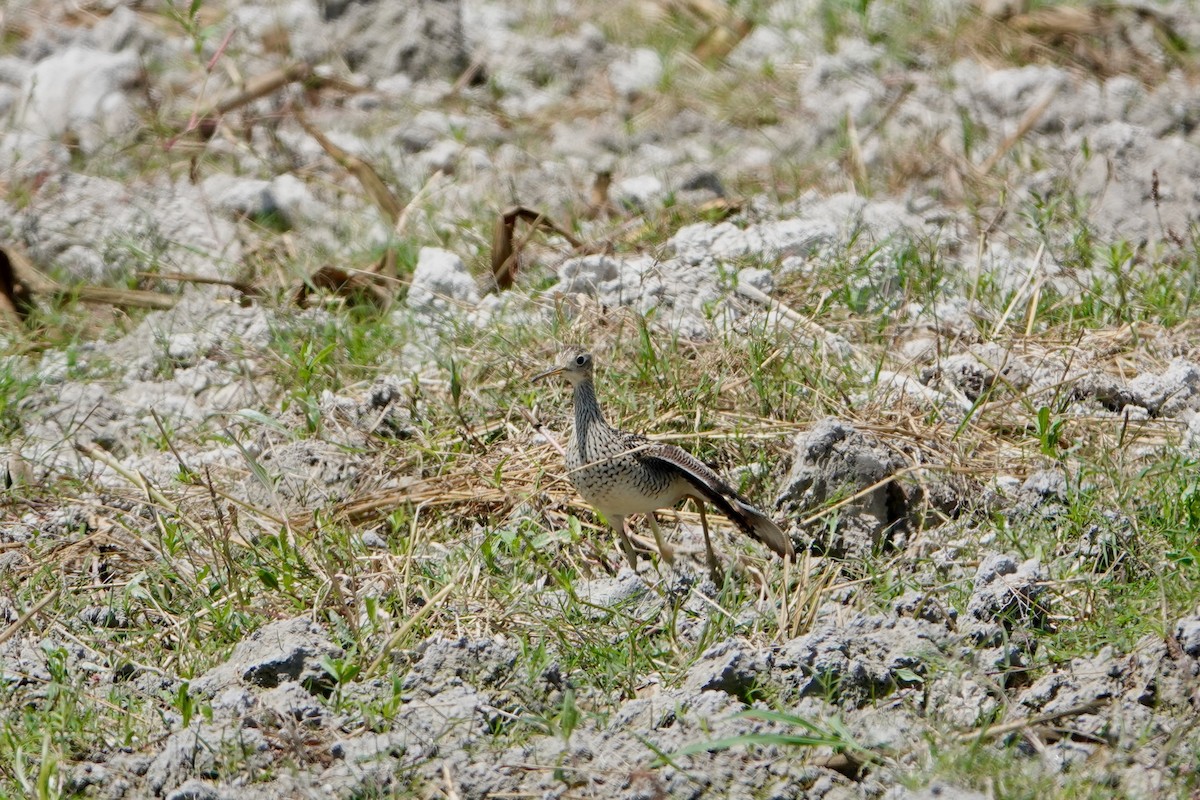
343, 671
1049, 432
46, 783
311, 369
568, 714
185, 704
14, 387
832, 734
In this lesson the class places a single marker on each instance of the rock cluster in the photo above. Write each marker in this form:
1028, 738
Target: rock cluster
468, 107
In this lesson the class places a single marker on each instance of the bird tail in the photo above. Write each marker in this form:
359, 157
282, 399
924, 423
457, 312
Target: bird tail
759, 526
709, 486
750, 520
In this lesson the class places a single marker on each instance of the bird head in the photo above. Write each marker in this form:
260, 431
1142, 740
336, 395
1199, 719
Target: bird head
574, 365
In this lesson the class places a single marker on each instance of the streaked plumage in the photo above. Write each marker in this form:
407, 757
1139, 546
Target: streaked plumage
622, 473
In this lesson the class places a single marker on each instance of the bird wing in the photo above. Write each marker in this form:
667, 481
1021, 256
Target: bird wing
752, 521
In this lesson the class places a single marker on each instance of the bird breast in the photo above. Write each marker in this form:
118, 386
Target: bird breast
612, 477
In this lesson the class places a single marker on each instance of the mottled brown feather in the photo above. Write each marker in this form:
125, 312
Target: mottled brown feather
753, 522
623, 473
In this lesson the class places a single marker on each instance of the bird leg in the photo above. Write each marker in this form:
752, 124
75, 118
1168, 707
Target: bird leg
664, 550
714, 566
618, 525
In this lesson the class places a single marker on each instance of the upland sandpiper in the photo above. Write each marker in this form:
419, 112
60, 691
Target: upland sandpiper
622, 473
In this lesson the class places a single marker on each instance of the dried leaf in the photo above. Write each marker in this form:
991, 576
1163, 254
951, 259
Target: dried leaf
9, 310
132, 298
260, 86
203, 280
721, 39
356, 286
386, 265
506, 250
21, 283
366, 175
599, 202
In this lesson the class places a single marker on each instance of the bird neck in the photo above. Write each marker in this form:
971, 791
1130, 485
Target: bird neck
587, 407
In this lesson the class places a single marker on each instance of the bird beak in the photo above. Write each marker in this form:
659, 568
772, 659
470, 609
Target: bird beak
548, 373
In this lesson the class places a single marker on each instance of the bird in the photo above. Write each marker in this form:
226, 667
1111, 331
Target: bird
621, 473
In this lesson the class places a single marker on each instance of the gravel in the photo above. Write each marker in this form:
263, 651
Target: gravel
462, 108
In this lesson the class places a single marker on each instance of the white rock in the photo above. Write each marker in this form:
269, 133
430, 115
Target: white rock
789, 237
79, 91
1010, 91
183, 346
237, 196
441, 282
398, 84
638, 71
118, 31
1191, 437
14, 71
1122, 92
641, 191
692, 242
764, 45
54, 367
25, 154
194, 380
1170, 393
96, 228
795, 237
1187, 631
585, 275
294, 202
442, 155
8, 98
374, 541
759, 278
754, 157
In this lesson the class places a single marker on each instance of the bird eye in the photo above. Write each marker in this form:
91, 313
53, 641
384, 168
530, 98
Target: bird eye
580, 361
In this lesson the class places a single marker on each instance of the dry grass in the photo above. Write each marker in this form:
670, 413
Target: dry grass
464, 525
